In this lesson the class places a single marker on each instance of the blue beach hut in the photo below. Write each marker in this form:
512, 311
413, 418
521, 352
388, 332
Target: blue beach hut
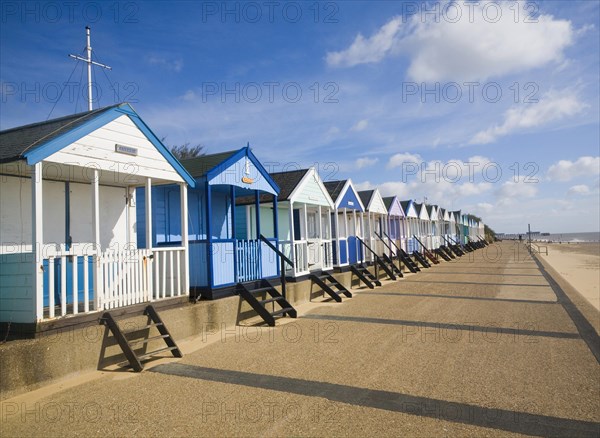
222, 253
347, 223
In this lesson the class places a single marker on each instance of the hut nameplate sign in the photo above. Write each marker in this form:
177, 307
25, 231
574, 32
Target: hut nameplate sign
128, 150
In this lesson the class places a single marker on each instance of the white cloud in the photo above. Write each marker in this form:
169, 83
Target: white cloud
398, 159
512, 190
363, 162
397, 188
554, 106
484, 207
580, 189
566, 170
366, 50
443, 193
168, 64
475, 46
189, 95
361, 125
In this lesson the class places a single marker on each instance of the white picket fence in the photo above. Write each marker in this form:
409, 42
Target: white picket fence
118, 279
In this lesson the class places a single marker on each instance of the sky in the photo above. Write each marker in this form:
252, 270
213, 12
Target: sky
491, 108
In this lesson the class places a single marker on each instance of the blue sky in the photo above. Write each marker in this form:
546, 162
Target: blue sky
403, 96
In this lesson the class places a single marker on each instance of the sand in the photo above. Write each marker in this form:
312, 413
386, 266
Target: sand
579, 265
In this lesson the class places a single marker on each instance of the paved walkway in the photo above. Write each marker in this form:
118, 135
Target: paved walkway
480, 346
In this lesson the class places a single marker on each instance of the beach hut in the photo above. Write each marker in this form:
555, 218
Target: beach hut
375, 223
228, 244
304, 214
444, 225
346, 223
68, 209
412, 225
396, 223
432, 213
423, 225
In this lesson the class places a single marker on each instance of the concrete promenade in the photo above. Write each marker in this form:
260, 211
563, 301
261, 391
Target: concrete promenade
487, 345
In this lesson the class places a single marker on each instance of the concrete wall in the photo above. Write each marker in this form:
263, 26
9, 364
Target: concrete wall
26, 365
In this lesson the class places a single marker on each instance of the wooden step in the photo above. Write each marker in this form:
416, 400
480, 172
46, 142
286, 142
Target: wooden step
134, 360
259, 305
282, 311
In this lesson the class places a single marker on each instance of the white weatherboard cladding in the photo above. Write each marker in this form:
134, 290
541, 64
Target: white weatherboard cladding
412, 212
113, 216
377, 205
311, 191
434, 214
97, 150
15, 213
16, 220
424, 216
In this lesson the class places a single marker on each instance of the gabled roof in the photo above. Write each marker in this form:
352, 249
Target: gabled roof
373, 201
433, 212
38, 141
200, 166
407, 206
291, 185
339, 189
421, 211
16, 142
393, 206
222, 168
365, 197
335, 188
288, 181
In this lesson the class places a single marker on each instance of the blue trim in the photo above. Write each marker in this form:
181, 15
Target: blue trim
56, 144
46, 149
276, 230
166, 153
233, 236
257, 208
209, 235
243, 152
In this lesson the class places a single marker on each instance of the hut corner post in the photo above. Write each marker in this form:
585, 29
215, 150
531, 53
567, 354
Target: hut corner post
185, 238
37, 229
98, 286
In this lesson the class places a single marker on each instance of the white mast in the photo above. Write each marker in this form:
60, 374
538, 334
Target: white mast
89, 63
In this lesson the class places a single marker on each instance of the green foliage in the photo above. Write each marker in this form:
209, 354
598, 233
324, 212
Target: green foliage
490, 235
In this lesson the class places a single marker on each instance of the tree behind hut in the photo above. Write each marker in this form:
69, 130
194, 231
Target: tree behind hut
185, 151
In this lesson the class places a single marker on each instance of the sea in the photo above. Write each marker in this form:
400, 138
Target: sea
567, 237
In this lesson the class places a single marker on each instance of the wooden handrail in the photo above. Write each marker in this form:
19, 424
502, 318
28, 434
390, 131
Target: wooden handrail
420, 243
284, 260
368, 247
383, 241
277, 251
392, 241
